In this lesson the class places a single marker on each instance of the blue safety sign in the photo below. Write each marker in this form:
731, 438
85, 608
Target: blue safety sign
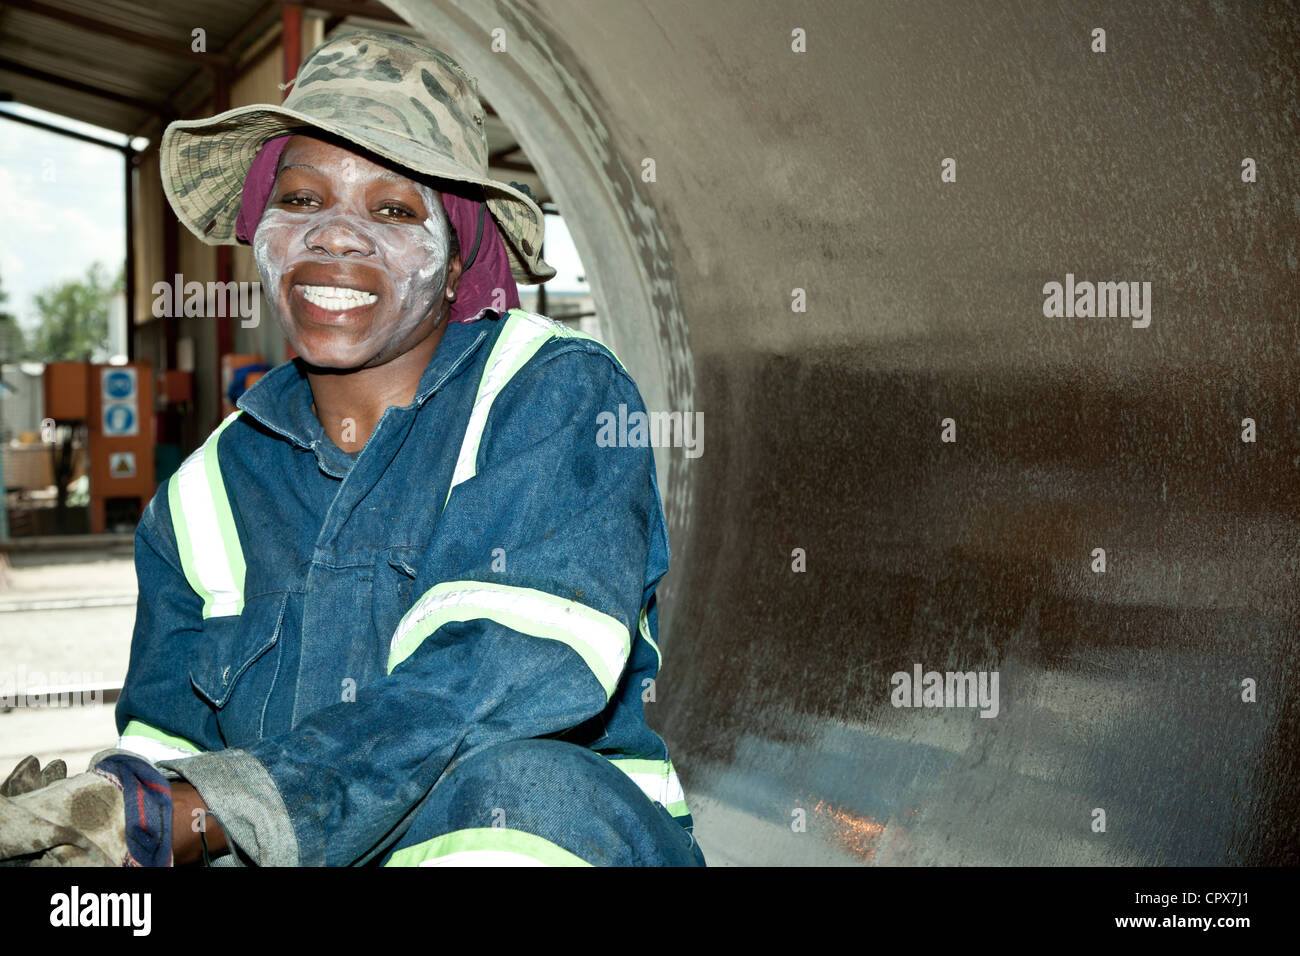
119, 420
121, 397
119, 384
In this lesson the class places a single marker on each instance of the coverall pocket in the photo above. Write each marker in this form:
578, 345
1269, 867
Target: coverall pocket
231, 646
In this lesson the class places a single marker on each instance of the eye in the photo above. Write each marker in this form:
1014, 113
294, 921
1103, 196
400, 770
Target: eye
299, 199
396, 210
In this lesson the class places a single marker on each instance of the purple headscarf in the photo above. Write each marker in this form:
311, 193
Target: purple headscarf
488, 266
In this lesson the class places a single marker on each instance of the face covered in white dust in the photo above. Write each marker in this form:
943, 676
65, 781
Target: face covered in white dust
347, 263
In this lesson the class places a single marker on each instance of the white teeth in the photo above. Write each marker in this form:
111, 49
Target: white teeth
336, 299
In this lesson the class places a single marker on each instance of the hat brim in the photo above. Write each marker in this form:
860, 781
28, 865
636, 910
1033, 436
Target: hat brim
204, 164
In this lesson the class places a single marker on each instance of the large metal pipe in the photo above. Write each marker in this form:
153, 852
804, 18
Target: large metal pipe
1158, 691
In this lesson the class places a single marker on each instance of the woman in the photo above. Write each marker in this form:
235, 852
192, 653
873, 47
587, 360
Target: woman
399, 607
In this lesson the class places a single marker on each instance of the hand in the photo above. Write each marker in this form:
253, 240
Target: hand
69, 821
187, 842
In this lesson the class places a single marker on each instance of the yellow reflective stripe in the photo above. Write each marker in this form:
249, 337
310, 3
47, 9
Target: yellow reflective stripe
601, 640
206, 538
153, 744
643, 625
565, 332
486, 846
523, 334
521, 338
657, 780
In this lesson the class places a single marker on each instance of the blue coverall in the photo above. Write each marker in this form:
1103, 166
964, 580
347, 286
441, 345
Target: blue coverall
395, 675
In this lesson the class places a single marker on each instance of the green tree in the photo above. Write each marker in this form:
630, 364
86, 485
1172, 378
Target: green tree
12, 344
73, 318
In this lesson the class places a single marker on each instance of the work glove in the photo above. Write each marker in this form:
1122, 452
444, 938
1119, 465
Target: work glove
54, 820
29, 776
50, 819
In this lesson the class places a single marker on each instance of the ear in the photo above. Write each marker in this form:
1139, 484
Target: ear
453, 273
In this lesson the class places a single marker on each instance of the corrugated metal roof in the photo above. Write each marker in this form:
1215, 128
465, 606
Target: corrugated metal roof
115, 63
123, 64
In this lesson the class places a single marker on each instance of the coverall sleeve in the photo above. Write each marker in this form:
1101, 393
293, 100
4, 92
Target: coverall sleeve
529, 602
157, 717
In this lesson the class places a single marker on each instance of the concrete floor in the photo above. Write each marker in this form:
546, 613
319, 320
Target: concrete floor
65, 617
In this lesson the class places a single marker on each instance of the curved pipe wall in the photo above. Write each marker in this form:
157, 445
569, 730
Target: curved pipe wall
1121, 690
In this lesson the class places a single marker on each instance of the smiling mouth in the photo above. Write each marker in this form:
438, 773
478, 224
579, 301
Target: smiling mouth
335, 298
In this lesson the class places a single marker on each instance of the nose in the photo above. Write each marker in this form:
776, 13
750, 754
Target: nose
340, 236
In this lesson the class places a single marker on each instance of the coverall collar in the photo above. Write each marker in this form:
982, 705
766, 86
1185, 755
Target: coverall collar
281, 399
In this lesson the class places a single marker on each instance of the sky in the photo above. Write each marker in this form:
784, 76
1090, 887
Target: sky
61, 209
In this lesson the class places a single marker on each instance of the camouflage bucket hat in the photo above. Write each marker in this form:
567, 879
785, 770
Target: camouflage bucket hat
399, 99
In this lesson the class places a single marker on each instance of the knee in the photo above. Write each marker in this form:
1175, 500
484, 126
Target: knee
525, 761
504, 783
566, 794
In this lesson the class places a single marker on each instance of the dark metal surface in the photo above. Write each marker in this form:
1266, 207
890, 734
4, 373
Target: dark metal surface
1119, 690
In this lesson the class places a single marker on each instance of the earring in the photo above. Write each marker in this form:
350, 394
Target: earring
450, 294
